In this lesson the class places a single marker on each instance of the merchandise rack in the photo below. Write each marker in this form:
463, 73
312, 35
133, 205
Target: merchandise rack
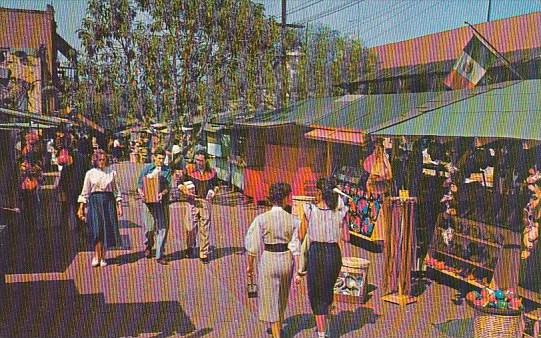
481, 269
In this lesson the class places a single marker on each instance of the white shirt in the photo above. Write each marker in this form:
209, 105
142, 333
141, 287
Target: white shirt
325, 225
97, 180
273, 227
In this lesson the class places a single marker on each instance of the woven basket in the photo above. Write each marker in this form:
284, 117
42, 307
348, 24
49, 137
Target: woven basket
496, 323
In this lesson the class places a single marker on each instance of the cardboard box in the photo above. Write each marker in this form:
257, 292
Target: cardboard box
151, 189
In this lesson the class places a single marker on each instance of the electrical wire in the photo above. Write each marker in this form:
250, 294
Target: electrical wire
303, 7
380, 17
407, 19
328, 12
405, 72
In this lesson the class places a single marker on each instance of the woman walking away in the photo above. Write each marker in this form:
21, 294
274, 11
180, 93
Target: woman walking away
275, 231
101, 199
322, 223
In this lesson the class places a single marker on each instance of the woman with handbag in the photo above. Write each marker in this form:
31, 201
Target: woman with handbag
275, 232
323, 223
101, 199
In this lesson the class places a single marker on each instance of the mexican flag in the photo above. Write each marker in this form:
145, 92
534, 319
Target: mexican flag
471, 66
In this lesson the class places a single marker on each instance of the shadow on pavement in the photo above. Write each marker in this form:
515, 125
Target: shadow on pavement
340, 324
43, 250
348, 321
128, 258
459, 328
56, 309
228, 251
215, 253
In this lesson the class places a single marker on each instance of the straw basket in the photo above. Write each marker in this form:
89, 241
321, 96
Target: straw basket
496, 323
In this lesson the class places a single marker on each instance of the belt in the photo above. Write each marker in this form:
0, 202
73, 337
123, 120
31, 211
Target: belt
324, 243
281, 247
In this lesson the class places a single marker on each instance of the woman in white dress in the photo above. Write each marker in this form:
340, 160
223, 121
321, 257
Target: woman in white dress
275, 232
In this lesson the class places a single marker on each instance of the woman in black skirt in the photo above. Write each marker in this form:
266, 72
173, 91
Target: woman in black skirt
322, 223
101, 199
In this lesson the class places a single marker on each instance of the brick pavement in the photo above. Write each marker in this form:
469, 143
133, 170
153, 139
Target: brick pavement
52, 291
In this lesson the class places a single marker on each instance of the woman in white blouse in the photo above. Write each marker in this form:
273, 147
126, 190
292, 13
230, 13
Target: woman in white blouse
323, 224
274, 231
101, 199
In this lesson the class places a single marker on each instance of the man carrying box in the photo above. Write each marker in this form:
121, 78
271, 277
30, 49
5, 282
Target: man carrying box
153, 186
199, 184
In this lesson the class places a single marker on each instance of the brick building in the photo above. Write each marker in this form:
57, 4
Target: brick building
29, 60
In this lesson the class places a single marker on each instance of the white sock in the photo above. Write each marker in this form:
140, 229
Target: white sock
321, 334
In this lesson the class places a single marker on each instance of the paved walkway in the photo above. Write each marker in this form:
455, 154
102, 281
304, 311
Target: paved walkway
52, 291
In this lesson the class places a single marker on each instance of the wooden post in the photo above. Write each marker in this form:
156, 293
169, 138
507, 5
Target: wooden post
328, 168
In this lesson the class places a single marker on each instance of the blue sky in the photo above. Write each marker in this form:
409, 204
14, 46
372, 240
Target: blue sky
376, 22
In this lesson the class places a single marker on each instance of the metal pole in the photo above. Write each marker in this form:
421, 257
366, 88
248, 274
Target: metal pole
488, 10
283, 52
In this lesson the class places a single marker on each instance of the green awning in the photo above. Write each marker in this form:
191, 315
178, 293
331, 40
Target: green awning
510, 111
25, 116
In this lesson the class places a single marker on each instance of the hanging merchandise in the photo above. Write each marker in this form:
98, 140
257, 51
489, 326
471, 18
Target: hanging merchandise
399, 251
363, 213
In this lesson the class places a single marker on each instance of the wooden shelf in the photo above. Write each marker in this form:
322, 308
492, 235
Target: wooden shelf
454, 275
464, 260
365, 237
475, 239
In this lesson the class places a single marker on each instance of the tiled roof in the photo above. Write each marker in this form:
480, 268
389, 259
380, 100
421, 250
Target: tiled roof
506, 35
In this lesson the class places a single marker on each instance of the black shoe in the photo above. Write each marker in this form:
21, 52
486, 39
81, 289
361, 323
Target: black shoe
162, 261
148, 253
204, 260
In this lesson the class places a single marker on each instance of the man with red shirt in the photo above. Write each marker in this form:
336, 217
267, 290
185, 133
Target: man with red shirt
199, 184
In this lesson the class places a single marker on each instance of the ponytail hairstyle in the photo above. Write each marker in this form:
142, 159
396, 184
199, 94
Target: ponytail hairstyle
326, 186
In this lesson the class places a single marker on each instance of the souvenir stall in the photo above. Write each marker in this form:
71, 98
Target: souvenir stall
351, 159
262, 154
487, 232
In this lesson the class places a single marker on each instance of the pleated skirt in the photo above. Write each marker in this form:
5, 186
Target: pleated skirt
102, 219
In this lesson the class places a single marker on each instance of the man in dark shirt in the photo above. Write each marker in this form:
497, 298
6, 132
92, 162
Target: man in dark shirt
199, 184
70, 185
158, 228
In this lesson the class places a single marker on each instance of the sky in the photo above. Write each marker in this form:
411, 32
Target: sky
375, 22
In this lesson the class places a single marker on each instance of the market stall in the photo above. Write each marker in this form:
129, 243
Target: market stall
480, 235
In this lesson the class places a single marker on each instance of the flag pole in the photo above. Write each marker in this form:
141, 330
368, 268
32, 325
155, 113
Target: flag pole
507, 62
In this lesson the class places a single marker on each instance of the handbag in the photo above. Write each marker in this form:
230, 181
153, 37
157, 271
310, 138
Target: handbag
251, 287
